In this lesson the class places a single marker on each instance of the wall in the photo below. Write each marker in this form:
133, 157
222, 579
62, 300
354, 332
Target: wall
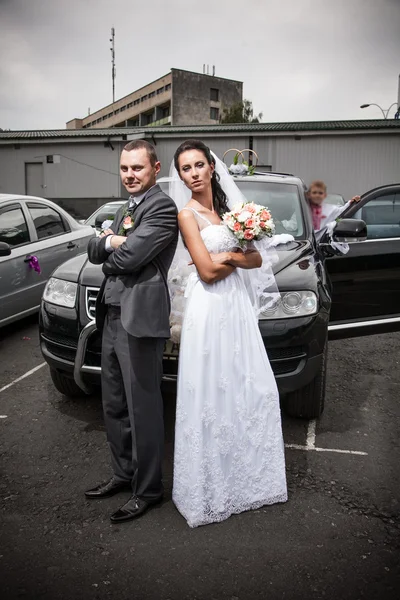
349, 164
88, 173
191, 97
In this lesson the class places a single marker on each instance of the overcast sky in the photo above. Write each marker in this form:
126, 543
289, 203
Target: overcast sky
300, 60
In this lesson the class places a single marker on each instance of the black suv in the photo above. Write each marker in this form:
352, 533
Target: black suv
321, 294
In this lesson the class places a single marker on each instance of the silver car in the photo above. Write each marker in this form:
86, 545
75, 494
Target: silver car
36, 236
106, 212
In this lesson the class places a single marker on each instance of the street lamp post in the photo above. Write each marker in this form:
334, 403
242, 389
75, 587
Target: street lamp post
384, 112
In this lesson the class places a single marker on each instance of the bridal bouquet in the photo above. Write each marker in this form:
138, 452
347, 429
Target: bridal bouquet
249, 221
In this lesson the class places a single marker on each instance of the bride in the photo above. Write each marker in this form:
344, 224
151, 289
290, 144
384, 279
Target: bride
229, 452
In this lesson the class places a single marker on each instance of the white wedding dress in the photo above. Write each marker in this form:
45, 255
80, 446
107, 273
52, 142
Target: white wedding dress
229, 451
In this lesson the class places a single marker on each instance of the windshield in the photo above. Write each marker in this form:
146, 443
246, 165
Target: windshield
105, 212
336, 199
282, 200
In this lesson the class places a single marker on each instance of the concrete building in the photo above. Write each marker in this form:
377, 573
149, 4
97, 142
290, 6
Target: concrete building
80, 169
178, 98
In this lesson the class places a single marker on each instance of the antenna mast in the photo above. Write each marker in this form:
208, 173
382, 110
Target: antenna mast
113, 71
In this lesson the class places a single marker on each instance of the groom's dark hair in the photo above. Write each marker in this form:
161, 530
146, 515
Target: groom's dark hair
139, 144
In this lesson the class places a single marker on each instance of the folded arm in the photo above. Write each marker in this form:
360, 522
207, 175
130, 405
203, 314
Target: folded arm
209, 271
97, 250
251, 259
157, 228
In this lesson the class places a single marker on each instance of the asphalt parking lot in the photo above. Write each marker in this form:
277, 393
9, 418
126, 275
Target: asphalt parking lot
336, 537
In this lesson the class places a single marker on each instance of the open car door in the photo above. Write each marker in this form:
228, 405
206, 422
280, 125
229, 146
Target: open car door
366, 281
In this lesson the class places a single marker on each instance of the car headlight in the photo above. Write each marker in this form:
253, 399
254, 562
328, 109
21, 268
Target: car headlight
291, 304
58, 291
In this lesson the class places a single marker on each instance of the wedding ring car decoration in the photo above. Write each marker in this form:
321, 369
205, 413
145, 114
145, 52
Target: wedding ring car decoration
243, 167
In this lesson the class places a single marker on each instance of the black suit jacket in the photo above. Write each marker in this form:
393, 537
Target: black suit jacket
141, 265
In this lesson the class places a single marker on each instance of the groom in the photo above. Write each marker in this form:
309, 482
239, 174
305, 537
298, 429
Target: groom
132, 310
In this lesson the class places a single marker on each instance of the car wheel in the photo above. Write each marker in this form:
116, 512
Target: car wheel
65, 385
308, 402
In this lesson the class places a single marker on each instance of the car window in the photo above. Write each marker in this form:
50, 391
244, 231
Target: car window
335, 199
283, 201
13, 227
382, 216
104, 213
47, 221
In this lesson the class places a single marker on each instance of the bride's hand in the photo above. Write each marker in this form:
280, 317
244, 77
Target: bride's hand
222, 258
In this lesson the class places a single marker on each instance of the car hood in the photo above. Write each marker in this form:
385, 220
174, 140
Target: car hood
291, 253
79, 269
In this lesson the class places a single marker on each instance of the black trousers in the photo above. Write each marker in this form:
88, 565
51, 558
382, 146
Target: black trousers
133, 406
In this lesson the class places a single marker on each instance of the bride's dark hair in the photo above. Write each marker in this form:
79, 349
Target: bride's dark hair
219, 197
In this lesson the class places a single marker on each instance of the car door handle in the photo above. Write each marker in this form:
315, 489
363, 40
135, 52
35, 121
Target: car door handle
71, 245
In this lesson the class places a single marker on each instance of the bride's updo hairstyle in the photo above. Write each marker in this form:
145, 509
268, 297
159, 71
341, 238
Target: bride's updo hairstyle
219, 196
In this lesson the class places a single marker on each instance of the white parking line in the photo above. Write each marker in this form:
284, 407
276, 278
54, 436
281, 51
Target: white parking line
310, 443
308, 449
22, 377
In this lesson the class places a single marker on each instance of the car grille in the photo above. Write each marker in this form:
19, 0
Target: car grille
289, 352
90, 301
283, 360
60, 346
93, 350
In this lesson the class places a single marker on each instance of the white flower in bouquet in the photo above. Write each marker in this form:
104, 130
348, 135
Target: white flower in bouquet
249, 222
244, 216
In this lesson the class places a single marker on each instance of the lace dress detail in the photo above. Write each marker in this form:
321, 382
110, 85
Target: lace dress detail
229, 452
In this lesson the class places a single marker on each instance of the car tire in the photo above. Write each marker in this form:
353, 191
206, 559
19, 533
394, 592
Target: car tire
308, 402
65, 385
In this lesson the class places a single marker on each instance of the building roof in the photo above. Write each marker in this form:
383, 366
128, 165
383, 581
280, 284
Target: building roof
122, 132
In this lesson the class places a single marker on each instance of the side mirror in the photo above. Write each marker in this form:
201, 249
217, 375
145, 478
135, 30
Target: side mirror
5, 249
81, 221
98, 222
350, 230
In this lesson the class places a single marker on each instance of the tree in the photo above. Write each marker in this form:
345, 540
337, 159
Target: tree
241, 112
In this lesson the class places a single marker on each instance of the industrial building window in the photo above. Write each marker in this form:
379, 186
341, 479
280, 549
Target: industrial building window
214, 94
160, 90
148, 118
105, 117
110, 115
123, 108
152, 94
167, 87
135, 102
129, 105
214, 113
117, 111
143, 98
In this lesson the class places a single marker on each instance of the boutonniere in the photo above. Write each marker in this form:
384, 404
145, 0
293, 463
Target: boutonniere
127, 223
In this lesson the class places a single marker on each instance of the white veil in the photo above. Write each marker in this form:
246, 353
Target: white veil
260, 283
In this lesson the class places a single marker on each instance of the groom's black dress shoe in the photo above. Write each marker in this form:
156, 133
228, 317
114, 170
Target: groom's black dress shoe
111, 487
133, 509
